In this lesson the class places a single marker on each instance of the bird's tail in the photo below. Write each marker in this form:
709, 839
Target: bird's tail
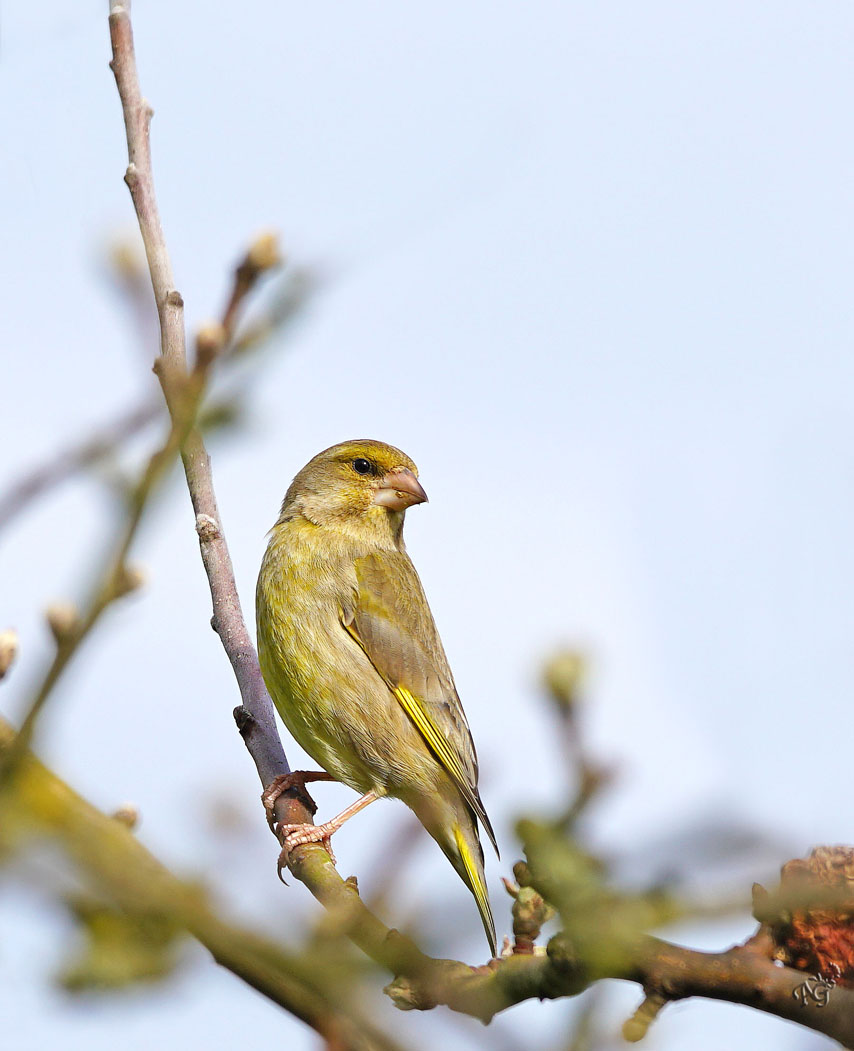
455, 830
469, 864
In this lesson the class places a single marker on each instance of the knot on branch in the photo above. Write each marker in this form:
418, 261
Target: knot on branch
436, 984
409, 995
562, 954
244, 719
207, 528
811, 916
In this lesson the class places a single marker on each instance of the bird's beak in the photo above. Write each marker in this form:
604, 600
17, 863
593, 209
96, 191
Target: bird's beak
399, 489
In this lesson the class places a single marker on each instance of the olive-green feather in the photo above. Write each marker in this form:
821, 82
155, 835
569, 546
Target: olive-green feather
391, 621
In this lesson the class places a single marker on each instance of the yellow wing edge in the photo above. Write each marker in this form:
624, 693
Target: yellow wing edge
444, 753
477, 886
434, 737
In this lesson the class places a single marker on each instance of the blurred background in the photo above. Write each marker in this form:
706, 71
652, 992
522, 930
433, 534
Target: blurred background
590, 266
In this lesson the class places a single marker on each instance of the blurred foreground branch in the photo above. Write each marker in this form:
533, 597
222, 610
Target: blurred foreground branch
77, 457
70, 628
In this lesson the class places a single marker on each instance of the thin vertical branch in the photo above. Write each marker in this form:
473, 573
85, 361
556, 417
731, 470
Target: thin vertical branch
261, 736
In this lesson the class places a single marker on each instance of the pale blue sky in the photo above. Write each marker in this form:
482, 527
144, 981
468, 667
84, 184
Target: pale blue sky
590, 265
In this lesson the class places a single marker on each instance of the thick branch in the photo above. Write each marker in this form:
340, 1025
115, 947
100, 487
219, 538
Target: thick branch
745, 974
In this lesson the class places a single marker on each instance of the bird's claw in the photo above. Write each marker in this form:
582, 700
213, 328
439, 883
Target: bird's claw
295, 780
282, 864
271, 794
298, 835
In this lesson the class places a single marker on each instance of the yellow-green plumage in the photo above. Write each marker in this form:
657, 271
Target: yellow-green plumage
351, 655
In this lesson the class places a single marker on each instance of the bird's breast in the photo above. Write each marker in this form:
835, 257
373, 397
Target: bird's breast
327, 692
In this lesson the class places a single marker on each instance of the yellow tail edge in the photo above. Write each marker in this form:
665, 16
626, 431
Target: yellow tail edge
477, 885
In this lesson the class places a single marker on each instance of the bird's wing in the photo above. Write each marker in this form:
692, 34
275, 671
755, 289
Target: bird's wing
391, 621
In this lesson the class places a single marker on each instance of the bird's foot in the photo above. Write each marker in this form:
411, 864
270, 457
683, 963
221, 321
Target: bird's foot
295, 780
298, 835
292, 836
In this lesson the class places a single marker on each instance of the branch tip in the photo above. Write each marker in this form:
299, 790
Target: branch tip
636, 1027
126, 580
8, 649
210, 343
264, 252
562, 677
63, 619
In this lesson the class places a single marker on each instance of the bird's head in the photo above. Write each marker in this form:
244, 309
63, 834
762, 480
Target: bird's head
361, 481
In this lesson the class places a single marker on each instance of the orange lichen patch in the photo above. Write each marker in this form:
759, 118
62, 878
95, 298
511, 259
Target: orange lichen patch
819, 939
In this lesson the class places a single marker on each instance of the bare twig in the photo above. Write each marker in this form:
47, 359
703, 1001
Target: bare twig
77, 458
263, 256
116, 580
563, 676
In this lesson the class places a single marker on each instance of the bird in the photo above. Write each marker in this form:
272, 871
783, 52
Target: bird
352, 659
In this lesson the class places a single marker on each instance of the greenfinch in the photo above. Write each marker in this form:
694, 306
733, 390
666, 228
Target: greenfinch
352, 658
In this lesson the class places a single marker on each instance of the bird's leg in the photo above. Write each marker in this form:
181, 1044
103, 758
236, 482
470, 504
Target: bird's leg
299, 834
284, 783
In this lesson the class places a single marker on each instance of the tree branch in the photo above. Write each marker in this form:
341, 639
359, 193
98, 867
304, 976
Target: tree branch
116, 580
80, 455
36, 802
745, 974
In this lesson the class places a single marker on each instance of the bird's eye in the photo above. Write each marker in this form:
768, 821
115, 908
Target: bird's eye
361, 466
